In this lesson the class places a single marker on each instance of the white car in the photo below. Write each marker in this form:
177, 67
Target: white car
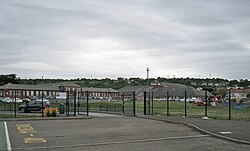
183, 100
12, 100
194, 100
7, 100
18, 100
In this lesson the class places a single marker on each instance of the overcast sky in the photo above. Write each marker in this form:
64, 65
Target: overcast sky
120, 38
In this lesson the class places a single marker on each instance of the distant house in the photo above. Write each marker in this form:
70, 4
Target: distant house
239, 94
210, 84
178, 91
217, 84
49, 90
64, 86
160, 91
193, 83
224, 83
204, 84
155, 83
101, 93
138, 90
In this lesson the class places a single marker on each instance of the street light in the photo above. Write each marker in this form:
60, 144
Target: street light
147, 75
148, 90
42, 96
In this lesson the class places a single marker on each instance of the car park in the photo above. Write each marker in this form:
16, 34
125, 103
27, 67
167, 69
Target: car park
35, 105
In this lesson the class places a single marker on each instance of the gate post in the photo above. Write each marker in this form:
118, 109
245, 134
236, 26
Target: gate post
123, 102
148, 102
78, 102
167, 103
74, 103
67, 104
152, 103
145, 102
185, 103
134, 103
87, 103
206, 103
42, 102
229, 104
15, 103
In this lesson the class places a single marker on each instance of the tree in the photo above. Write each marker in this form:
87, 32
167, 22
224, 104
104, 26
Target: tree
233, 83
9, 78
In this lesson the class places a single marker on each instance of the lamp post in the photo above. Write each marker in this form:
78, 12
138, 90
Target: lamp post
147, 76
148, 90
229, 104
42, 96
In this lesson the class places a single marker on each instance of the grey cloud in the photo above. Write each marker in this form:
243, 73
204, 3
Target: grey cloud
115, 38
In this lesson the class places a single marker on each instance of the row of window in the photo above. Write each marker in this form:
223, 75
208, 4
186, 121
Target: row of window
23, 93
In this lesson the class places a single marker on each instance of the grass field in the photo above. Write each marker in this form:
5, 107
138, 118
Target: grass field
220, 111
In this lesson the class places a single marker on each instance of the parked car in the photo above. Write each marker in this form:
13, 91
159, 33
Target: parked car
18, 100
11, 100
35, 105
7, 100
26, 100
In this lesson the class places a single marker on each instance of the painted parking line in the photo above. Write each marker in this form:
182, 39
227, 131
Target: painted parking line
7, 137
226, 132
28, 129
4, 137
115, 142
3, 144
34, 140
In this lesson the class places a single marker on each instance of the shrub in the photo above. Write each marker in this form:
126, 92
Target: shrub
53, 113
48, 113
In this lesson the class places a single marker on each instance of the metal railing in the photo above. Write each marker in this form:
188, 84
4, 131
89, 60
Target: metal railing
82, 103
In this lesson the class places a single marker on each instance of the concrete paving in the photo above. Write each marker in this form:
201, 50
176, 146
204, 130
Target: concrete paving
94, 114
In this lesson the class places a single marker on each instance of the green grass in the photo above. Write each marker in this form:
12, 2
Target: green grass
175, 109
8, 106
218, 112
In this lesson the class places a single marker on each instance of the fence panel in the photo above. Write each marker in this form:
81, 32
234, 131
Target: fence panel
82, 103
129, 104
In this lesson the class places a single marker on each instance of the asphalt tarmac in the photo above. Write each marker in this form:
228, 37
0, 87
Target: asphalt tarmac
112, 133
236, 130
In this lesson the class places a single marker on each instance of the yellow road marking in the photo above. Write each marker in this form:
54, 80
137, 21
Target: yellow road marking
22, 125
25, 128
34, 140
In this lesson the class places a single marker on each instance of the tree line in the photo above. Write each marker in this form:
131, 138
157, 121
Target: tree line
208, 83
